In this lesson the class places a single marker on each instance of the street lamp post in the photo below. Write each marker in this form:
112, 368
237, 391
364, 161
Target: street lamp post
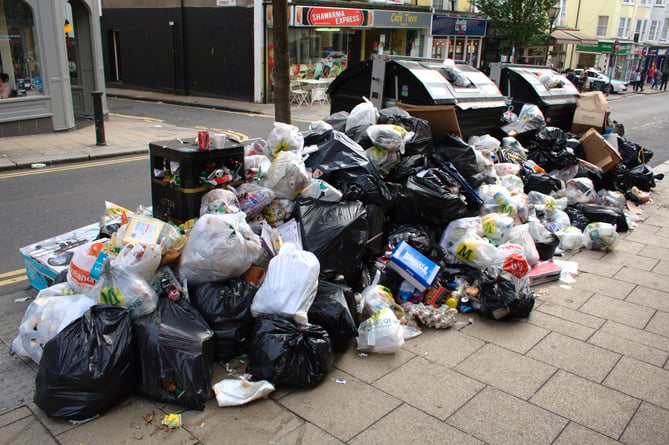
553, 12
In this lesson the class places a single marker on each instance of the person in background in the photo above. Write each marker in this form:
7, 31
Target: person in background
634, 79
650, 74
5, 89
642, 79
665, 77
583, 81
657, 80
571, 77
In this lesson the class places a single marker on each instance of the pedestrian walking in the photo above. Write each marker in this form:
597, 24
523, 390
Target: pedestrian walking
657, 79
642, 80
634, 79
650, 75
665, 77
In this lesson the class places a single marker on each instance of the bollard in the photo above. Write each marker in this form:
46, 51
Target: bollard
99, 118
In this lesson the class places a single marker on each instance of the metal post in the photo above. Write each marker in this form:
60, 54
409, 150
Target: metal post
99, 118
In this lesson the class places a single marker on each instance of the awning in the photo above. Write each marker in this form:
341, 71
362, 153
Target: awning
572, 36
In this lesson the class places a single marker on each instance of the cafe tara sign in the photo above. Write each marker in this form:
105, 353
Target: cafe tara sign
402, 19
339, 17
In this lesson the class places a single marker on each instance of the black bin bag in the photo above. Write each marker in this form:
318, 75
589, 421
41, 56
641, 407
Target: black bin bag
336, 232
89, 366
331, 310
421, 141
226, 306
500, 298
287, 353
606, 214
175, 350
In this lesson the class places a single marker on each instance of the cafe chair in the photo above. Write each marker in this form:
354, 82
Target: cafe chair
319, 95
298, 95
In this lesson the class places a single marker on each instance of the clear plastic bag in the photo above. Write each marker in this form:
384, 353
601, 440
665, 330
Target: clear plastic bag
581, 190
390, 137
219, 201
123, 287
253, 198
520, 235
611, 199
79, 274
235, 392
507, 168
287, 175
290, 285
496, 227
256, 166
555, 220
571, 238
374, 298
381, 333
383, 158
219, 247
485, 143
600, 236
362, 115
530, 118
284, 137
321, 190
141, 259
472, 250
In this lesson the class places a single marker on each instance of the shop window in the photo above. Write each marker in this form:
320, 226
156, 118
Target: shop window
19, 55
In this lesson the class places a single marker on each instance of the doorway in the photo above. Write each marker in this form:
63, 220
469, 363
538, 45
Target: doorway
80, 56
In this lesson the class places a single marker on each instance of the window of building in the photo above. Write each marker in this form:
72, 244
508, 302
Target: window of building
562, 18
665, 29
644, 3
445, 5
19, 56
653, 30
644, 25
624, 27
602, 25
659, 2
628, 2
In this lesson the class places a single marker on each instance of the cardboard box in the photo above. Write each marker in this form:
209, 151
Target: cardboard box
593, 100
592, 111
598, 151
442, 118
544, 272
413, 266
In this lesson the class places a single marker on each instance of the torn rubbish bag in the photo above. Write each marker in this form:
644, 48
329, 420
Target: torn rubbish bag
287, 353
226, 306
175, 350
89, 366
331, 311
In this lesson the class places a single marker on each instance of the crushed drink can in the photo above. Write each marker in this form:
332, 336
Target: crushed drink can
203, 140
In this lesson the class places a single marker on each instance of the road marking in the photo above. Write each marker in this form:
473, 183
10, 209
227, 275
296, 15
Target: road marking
241, 137
23, 277
76, 166
141, 118
12, 273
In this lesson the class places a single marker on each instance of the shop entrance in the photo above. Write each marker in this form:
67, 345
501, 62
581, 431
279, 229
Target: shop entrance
80, 56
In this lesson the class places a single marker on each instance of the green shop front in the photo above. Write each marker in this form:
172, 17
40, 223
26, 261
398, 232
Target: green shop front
603, 56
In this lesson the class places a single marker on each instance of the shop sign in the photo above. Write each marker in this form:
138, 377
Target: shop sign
662, 51
443, 25
401, 19
606, 48
337, 17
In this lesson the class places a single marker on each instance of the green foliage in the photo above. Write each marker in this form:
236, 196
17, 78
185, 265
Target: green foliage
520, 22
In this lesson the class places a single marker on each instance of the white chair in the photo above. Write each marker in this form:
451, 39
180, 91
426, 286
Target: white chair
319, 95
298, 95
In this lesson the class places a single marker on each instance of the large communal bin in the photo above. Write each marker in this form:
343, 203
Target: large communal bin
424, 82
522, 84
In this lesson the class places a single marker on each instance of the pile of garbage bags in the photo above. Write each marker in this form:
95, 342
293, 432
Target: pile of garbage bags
360, 229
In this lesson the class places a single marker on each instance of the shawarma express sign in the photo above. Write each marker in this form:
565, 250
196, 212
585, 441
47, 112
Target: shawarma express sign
359, 18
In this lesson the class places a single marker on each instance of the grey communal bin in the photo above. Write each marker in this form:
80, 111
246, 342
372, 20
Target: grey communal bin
424, 82
521, 83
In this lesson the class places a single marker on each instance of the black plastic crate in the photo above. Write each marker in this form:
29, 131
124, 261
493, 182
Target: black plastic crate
180, 201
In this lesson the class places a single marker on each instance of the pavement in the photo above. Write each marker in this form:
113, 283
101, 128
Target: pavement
590, 365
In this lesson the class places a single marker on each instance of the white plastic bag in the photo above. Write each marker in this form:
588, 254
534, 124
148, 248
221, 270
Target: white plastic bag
122, 286
390, 137
219, 247
381, 333
287, 175
485, 143
511, 259
220, 201
571, 238
44, 318
513, 183
496, 227
458, 228
256, 166
521, 236
374, 298
321, 190
611, 199
556, 220
472, 250
600, 236
79, 274
253, 198
290, 284
581, 190
362, 115
284, 137
235, 392
141, 259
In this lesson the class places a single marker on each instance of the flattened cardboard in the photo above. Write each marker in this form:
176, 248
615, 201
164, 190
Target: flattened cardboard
598, 151
442, 118
585, 119
593, 100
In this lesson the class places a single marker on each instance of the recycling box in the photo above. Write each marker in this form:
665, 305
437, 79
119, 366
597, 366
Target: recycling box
413, 266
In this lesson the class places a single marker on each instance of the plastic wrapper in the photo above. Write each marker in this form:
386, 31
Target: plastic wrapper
45, 317
321, 190
287, 175
284, 137
390, 137
485, 143
219, 201
79, 274
235, 392
122, 286
141, 259
571, 238
362, 115
381, 333
600, 236
496, 227
545, 241
383, 158
220, 247
89, 366
287, 353
500, 298
331, 311
507, 168
290, 284
511, 259
520, 235
606, 214
176, 353
472, 250
611, 199
336, 233
555, 220
581, 190
530, 118
253, 198
278, 210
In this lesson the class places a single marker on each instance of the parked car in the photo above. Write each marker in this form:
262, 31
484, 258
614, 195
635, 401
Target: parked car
596, 78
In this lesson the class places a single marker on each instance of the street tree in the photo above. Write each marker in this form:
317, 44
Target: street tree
519, 22
281, 62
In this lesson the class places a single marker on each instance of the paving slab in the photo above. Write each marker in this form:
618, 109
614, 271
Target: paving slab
646, 296
641, 380
27, 430
659, 324
372, 367
611, 287
509, 371
498, 418
429, 386
409, 425
592, 405
592, 262
518, 336
572, 315
307, 434
633, 275
560, 294
637, 335
14, 415
662, 267
630, 348
649, 425
562, 326
446, 347
621, 311
578, 434
629, 247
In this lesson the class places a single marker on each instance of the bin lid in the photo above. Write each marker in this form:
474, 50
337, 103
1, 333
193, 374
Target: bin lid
532, 76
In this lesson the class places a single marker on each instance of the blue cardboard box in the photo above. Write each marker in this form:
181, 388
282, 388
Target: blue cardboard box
413, 266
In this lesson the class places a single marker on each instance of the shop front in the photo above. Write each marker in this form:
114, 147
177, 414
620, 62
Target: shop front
323, 41
603, 57
50, 69
458, 38
659, 57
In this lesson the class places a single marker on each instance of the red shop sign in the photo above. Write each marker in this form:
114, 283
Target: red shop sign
318, 16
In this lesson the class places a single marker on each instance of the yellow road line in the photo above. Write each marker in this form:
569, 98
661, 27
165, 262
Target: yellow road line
13, 280
12, 273
76, 166
141, 118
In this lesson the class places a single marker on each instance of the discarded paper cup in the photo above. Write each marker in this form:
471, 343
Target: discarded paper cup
219, 140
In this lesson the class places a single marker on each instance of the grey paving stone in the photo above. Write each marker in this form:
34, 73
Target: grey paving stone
611, 287
27, 430
446, 347
620, 311
373, 366
657, 251
496, 417
560, 294
649, 425
593, 262
575, 356
571, 315
336, 408
438, 391
641, 380
307, 434
637, 335
560, 325
518, 336
659, 324
642, 233
646, 296
17, 378
631, 247
630, 348
506, 370
55, 426
14, 415
587, 403
408, 425
578, 434
637, 276
662, 267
